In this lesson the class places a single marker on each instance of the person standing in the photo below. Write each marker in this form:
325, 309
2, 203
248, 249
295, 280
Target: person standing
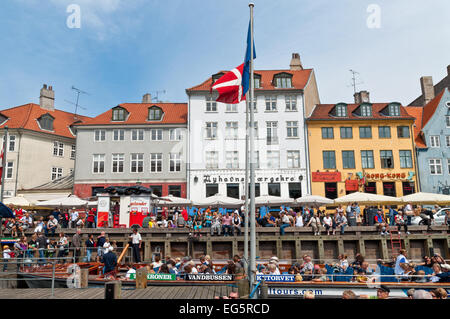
63, 246
42, 243
76, 243
90, 244
136, 242
100, 242
73, 219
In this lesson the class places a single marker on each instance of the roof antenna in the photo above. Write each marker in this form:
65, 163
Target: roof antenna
156, 96
76, 104
354, 84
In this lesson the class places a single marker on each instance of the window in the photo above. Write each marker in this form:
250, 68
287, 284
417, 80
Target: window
98, 163
46, 122
366, 110
384, 131
447, 140
447, 121
389, 189
405, 159
211, 104
211, 189
119, 114
435, 166
157, 190
273, 159
292, 128
272, 133
175, 190
402, 131
341, 110
233, 190
293, 159
331, 190
256, 81
271, 102
9, 170
367, 159
118, 135
57, 172
329, 159
394, 109
274, 189
156, 134
73, 152
212, 160
175, 134
137, 163
99, 135
435, 141
117, 163
256, 164
327, 133
408, 188
348, 159
156, 162
12, 143
231, 130
137, 135
295, 190
232, 159
365, 132
211, 130
387, 161
255, 108
370, 187
291, 102
257, 190
346, 132
174, 162
58, 149
283, 81
155, 113
231, 108
448, 165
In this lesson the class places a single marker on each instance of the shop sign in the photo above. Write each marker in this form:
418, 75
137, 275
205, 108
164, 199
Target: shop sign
276, 278
209, 277
326, 176
140, 204
272, 179
386, 175
351, 185
157, 276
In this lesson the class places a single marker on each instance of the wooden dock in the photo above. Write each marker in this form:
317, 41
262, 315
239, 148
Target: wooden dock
154, 292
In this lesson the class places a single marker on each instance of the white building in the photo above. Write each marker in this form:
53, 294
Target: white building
216, 150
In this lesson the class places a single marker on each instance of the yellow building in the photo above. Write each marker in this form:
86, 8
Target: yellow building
365, 147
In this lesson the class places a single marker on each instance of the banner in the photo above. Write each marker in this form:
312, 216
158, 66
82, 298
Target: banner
209, 277
167, 277
140, 204
276, 278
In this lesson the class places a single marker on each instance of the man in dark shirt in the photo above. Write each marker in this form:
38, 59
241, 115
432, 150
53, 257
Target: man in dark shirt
42, 243
76, 243
110, 261
100, 242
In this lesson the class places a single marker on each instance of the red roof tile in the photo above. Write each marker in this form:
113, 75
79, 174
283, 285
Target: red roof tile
416, 112
430, 108
322, 112
299, 80
25, 117
174, 113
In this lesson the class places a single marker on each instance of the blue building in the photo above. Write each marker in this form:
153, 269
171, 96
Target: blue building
432, 138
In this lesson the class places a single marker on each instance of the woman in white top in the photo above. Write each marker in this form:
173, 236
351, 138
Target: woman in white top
327, 223
298, 220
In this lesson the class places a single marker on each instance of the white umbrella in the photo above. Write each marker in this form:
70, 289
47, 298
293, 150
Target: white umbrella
92, 203
269, 200
426, 198
19, 200
313, 200
219, 200
367, 198
68, 201
171, 200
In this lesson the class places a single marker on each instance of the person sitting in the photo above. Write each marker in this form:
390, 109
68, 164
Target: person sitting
327, 223
420, 277
400, 221
216, 225
236, 222
341, 221
315, 224
285, 222
52, 224
343, 262
380, 223
320, 275
227, 225
307, 264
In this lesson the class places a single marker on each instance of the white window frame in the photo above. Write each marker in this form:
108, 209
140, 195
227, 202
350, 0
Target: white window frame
73, 151
272, 128
447, 140
232, 159
156, 160
12, 141
435, 163
176, 159
447, 121
156, 134
57, 172
139, 159
435, 141
99, 135
231, 108
211, 160
232, 130
9, 173
175, 134
293, 159
211, 130
137, 134
211, 104
117, 158
291, 127
271, 103
58, 149
98, 158
291, 103
120, 135
273, 159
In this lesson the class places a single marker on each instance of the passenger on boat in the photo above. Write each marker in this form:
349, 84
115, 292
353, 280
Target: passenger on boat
401, 258
110, 261
439, 293
348, 294
343, 262
383, 292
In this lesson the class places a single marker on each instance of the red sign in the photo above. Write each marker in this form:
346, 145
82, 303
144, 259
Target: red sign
326, 176
386, 175
351, 185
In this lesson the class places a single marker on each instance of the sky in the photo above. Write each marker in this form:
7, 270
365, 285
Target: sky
126, 48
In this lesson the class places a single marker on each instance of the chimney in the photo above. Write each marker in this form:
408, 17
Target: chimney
47, 98
448, 70
147, 98
296, 64
361, 97
426, 83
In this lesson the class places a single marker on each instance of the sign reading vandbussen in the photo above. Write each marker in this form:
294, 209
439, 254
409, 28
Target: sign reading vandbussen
209, 277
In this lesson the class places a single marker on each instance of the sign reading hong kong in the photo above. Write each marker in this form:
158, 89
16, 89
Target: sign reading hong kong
271, 179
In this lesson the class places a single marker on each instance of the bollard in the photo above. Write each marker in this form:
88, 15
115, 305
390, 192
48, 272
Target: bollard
264, 290
113, 289
243, 288
84, 277
141, 278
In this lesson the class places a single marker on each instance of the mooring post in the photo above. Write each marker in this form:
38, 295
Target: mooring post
264, 290
141, 278
113, 289
53, 279
84, 277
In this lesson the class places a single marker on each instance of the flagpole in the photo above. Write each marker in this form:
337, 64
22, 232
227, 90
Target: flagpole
252, 272
246, 262
5, 143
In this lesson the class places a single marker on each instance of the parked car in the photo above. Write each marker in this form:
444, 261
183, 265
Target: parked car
439, 217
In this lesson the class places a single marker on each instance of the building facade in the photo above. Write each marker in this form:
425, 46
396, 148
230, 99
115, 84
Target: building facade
366, 147
41, 143
432, 137
133, 143
217, 131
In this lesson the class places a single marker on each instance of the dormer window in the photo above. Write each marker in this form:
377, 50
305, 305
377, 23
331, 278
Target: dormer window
3, 119
119, 114
341, 110
283, 80
155, 113
217, 76
46, 122
394, 109
256, 81
365, 110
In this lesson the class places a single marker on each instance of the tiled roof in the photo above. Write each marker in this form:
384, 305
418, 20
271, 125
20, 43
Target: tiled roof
25, 117
430, 108
416, 112
299, 80
322, 112
174, 113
